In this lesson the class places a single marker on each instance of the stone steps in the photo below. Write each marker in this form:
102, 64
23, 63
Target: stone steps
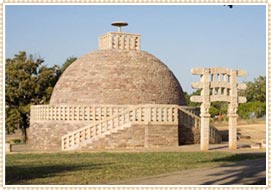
259, 145
122, 138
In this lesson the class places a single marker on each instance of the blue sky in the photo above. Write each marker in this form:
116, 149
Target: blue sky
183, 37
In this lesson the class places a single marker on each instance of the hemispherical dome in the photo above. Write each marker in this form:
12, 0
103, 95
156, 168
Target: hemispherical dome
117, 77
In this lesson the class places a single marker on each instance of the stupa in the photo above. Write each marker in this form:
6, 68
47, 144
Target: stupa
116, 96
118, 73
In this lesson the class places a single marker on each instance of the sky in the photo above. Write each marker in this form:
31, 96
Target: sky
181, 36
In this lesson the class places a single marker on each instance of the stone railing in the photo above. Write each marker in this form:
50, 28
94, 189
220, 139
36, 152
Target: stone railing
119, 40
74, 112
188, 118
140, 114
193, 110
214, 136
103, 118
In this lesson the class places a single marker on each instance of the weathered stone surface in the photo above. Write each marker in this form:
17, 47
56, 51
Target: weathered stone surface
47, 135
117, 77
188, 135
138, 136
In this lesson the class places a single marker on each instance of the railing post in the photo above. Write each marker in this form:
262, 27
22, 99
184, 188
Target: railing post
175, 115
147, 114
63, 143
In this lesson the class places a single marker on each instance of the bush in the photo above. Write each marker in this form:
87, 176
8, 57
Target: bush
16, 141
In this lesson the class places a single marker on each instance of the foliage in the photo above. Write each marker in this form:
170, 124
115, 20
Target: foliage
218, 108
246, 110
16, 141
256, 99
256, 90
67, 63
107, 168
27, 82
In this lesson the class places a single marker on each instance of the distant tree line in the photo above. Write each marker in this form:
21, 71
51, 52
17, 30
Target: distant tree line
255, 106
28, 82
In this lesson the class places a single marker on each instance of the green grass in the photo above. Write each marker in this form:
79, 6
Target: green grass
103, 168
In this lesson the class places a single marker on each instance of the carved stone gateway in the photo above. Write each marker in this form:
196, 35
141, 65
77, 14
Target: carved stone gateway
218, 84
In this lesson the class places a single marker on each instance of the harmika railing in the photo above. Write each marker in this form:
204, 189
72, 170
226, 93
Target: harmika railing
141, 114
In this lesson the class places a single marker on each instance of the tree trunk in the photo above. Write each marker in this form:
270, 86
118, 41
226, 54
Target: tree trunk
23, 128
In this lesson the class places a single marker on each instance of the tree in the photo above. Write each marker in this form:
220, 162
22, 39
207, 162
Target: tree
256, 90
218, 108
27, 82
252, 109
256, 98
67, 63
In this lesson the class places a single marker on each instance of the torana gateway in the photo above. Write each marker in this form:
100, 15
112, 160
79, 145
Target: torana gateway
116, 97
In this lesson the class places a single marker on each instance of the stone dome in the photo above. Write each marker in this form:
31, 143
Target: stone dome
114, 76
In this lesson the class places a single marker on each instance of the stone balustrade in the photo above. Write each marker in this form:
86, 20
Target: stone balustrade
103, 119
188, 118
140, 114
159, 113
74, 112
214, 136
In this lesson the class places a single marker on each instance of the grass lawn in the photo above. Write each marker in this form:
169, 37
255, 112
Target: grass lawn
103, 168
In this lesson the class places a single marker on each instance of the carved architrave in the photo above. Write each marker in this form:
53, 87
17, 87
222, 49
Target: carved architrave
218, 84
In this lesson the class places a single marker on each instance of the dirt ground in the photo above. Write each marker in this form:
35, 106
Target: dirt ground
248, 133
248, 172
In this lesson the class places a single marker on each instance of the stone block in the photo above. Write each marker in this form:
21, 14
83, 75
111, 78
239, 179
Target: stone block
8, 147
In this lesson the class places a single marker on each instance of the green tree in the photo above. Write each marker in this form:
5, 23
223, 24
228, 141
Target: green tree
67, 63
256, 90
256, 98
27, 82
218, 108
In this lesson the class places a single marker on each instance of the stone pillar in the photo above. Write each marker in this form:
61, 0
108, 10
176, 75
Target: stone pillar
204, 127
232, 111
204, 110
233, 131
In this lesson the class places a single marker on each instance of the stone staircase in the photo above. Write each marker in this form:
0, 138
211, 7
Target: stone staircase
130, 136
127, 128
140, 114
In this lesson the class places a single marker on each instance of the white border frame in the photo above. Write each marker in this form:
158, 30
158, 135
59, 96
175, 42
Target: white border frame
136, 2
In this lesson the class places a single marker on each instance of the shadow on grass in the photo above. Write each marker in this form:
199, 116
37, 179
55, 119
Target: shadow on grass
247, 172
240, 157
18, 174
